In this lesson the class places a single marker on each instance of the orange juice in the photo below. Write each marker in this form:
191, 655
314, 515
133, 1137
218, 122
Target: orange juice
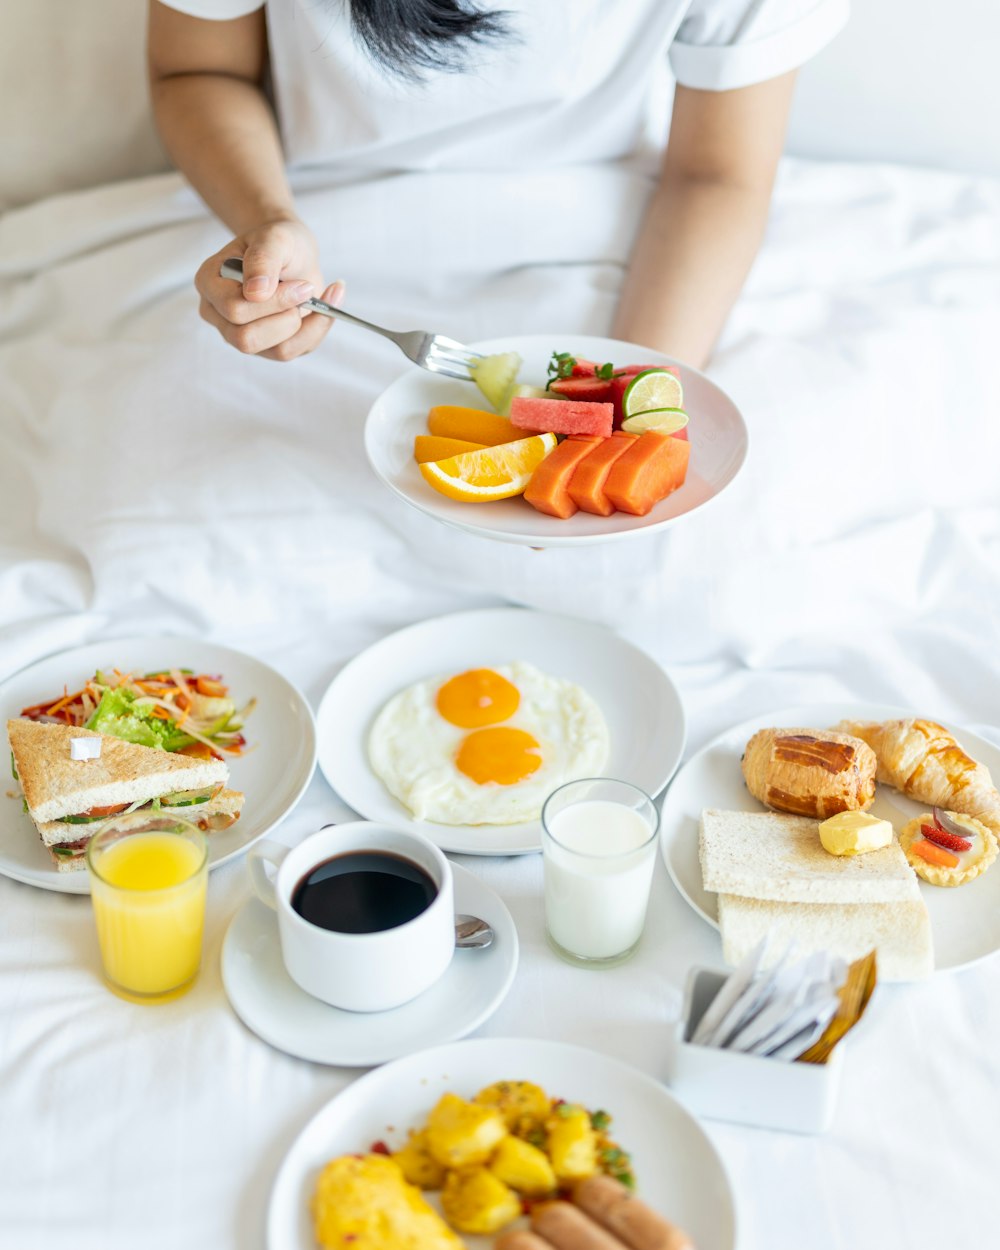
148, 890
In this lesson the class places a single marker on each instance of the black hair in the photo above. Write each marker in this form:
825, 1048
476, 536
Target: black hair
409, 37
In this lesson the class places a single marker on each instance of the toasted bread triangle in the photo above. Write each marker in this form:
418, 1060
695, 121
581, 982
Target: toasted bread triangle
55, 785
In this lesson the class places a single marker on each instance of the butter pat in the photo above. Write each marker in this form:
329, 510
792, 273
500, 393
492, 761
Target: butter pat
854, 833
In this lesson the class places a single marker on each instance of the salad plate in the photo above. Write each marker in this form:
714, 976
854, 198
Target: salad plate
640, 704
965, 922
677, 1169
718, 435
273, 773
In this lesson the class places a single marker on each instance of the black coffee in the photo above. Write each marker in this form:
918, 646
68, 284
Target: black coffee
363, 892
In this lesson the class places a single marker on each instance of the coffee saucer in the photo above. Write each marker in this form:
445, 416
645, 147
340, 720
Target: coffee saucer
271, 1005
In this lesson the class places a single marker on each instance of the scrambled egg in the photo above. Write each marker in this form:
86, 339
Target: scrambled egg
363, 1202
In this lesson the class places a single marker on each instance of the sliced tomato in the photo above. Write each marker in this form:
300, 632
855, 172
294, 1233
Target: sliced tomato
198, 751
96, 813
211, 688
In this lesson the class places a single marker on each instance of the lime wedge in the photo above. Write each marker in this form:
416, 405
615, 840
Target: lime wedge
495, 376
654, 389
662, 420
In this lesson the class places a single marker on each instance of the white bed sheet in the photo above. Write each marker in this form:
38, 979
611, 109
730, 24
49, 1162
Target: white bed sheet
153, 480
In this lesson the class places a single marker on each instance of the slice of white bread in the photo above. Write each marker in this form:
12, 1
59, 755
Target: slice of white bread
225, 803
767, 855
55, 785
899, 932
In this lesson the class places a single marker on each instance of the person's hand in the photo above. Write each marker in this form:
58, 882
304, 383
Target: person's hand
280, 271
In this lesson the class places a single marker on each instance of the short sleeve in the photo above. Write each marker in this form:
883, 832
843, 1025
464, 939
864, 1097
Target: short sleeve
215, 10
724, 44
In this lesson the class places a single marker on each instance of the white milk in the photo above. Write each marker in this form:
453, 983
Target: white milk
598, 868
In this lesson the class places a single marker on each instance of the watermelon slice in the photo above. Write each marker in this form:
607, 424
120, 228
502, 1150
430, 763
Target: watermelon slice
561, 416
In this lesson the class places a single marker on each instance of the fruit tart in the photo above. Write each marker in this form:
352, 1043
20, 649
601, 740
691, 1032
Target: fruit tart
948, 848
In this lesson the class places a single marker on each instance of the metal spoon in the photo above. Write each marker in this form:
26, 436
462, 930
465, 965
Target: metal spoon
470, 931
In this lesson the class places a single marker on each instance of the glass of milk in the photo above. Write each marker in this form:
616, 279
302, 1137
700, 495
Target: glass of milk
599, 847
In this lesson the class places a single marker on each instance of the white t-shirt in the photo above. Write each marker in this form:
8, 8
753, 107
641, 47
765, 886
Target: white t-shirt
572, 87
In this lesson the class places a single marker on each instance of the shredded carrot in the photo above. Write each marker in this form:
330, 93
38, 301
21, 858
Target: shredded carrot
61, 703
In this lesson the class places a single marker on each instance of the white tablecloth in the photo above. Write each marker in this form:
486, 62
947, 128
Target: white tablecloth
151, 480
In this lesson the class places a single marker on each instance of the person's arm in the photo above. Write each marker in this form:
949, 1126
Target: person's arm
217, 125
706, 218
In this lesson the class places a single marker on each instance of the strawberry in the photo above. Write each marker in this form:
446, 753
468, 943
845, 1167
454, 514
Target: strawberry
948, 840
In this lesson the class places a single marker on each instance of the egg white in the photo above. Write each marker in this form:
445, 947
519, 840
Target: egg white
411, 749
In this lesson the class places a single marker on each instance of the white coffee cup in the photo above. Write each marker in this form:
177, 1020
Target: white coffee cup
358, 971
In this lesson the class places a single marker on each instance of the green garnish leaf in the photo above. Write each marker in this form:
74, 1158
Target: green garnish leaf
561, 365
600, 1120
13, 768
605, 372
118, 715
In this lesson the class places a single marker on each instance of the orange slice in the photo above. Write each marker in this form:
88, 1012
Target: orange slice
493, 473
431, 447
471, 424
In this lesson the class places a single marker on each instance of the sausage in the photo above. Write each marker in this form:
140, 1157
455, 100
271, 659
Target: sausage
615, 1208
520, 1239
567, 1228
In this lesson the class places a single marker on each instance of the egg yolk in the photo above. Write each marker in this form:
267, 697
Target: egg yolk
501, 754
476, 698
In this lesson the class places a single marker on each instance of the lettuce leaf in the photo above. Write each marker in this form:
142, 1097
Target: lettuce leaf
116, 714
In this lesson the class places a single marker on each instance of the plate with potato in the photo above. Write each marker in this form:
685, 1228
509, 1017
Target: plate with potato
502, 1142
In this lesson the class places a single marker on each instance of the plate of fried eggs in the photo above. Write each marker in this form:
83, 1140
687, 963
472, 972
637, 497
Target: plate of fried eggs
460, 727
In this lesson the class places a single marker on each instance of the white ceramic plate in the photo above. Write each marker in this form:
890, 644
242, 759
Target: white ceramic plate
270, 1004
639, 701
718, 435
965, 921
273, 775
676, 1167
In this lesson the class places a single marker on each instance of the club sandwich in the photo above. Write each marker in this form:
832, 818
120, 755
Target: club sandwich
72, 799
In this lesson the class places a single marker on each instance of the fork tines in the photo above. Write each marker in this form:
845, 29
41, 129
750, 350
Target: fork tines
447, 357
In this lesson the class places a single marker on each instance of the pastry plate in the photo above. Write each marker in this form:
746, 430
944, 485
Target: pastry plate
718, 433
677, 1169
639, 701
965, 921
271, 1005
273, 775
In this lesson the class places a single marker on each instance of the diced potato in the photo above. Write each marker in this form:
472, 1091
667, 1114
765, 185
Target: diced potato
461, 1133
363, 1201
476, 1201
524, 1106
572, 1143
523, 1167
418, 1164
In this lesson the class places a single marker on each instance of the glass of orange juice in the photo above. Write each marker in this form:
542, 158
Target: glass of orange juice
148, 878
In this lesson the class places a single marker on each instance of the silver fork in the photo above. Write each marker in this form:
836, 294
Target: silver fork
434, 352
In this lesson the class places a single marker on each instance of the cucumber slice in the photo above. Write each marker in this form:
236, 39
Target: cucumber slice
495, 376
187, 798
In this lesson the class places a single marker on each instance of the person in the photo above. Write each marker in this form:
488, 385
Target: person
243, 88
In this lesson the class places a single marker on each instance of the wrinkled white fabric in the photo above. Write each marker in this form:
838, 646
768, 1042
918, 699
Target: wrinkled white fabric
153, 480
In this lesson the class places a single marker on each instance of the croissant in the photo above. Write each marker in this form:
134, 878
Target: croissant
810, 772
923, 760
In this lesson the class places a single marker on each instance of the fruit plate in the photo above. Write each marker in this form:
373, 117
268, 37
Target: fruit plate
273, 774
640, 704
965, 921
678, 1171
717, 432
